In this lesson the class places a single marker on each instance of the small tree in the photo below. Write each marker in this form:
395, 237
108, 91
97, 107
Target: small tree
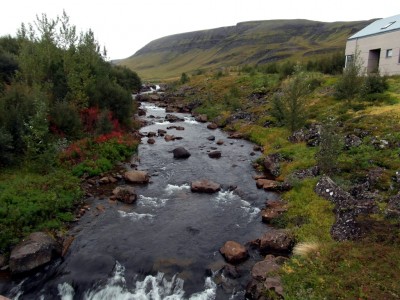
289, 106
184, 78
350, 83
330, 147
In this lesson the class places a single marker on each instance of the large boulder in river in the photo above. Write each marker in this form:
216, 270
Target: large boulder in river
135, 176
204, 186
35, 251
201, 118
126, 194
234, 252
181, 152
214, 154
172, 118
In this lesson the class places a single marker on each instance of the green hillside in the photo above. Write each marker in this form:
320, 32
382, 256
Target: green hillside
256, 42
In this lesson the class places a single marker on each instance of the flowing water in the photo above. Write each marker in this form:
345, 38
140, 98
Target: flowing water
166, 245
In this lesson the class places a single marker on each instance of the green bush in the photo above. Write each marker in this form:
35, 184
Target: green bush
31, 202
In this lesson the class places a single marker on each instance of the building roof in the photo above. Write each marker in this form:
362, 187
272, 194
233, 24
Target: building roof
378, 27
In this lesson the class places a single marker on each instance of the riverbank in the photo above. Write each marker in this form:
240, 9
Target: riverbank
330, 261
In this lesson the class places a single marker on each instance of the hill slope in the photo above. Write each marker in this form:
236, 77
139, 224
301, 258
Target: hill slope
255, 42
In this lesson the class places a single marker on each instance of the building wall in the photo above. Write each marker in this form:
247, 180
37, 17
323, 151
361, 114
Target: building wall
389, 40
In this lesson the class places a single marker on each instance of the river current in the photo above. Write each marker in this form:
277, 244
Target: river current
166, 245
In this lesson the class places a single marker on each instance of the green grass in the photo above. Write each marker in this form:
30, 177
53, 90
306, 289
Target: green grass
346, 270
30, 202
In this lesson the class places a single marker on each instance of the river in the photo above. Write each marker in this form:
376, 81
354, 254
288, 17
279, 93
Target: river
166, 245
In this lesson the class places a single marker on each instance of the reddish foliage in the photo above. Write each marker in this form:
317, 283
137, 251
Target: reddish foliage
90, 117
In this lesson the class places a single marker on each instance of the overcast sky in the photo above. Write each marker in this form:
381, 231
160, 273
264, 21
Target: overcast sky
126, 26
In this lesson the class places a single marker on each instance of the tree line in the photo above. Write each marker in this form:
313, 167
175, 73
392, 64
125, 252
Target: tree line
57, 83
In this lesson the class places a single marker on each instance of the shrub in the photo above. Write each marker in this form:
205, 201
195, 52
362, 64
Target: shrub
289, 106
30, 202
330, 148
374, 83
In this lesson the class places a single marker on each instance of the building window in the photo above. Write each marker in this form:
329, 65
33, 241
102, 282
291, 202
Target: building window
349, 60
389, 53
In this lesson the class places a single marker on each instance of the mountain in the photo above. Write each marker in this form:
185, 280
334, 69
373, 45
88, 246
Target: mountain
255, 42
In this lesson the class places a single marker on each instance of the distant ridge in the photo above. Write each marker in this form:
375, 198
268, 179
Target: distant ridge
253, 42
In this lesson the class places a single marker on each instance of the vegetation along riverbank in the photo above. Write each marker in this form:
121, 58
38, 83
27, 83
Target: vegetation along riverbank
65, 115
333, 138
329, 138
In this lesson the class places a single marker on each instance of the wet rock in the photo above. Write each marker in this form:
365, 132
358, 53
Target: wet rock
136, 176
151, 141
151, 134
255, 290
201, 118
261, 269
204, 186
36, 250
211, 138
176, 127
257, 148
272, 166
172, 118
231, 272
161, 132
273, 209
234, 252
235, 135
278, 240
214, 154
220, 142
141, 112
272, 185
169, 137
4, 298
125, 194
181, 153
212, 126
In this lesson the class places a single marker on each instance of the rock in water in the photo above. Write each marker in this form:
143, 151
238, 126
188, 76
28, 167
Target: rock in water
35, 251
214, 154
204, 186
135, 176
234, 252
126, 194
181, 152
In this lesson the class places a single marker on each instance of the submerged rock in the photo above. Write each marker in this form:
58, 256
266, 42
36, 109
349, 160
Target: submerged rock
35, 251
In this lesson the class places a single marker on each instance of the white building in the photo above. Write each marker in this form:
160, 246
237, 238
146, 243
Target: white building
378, 46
